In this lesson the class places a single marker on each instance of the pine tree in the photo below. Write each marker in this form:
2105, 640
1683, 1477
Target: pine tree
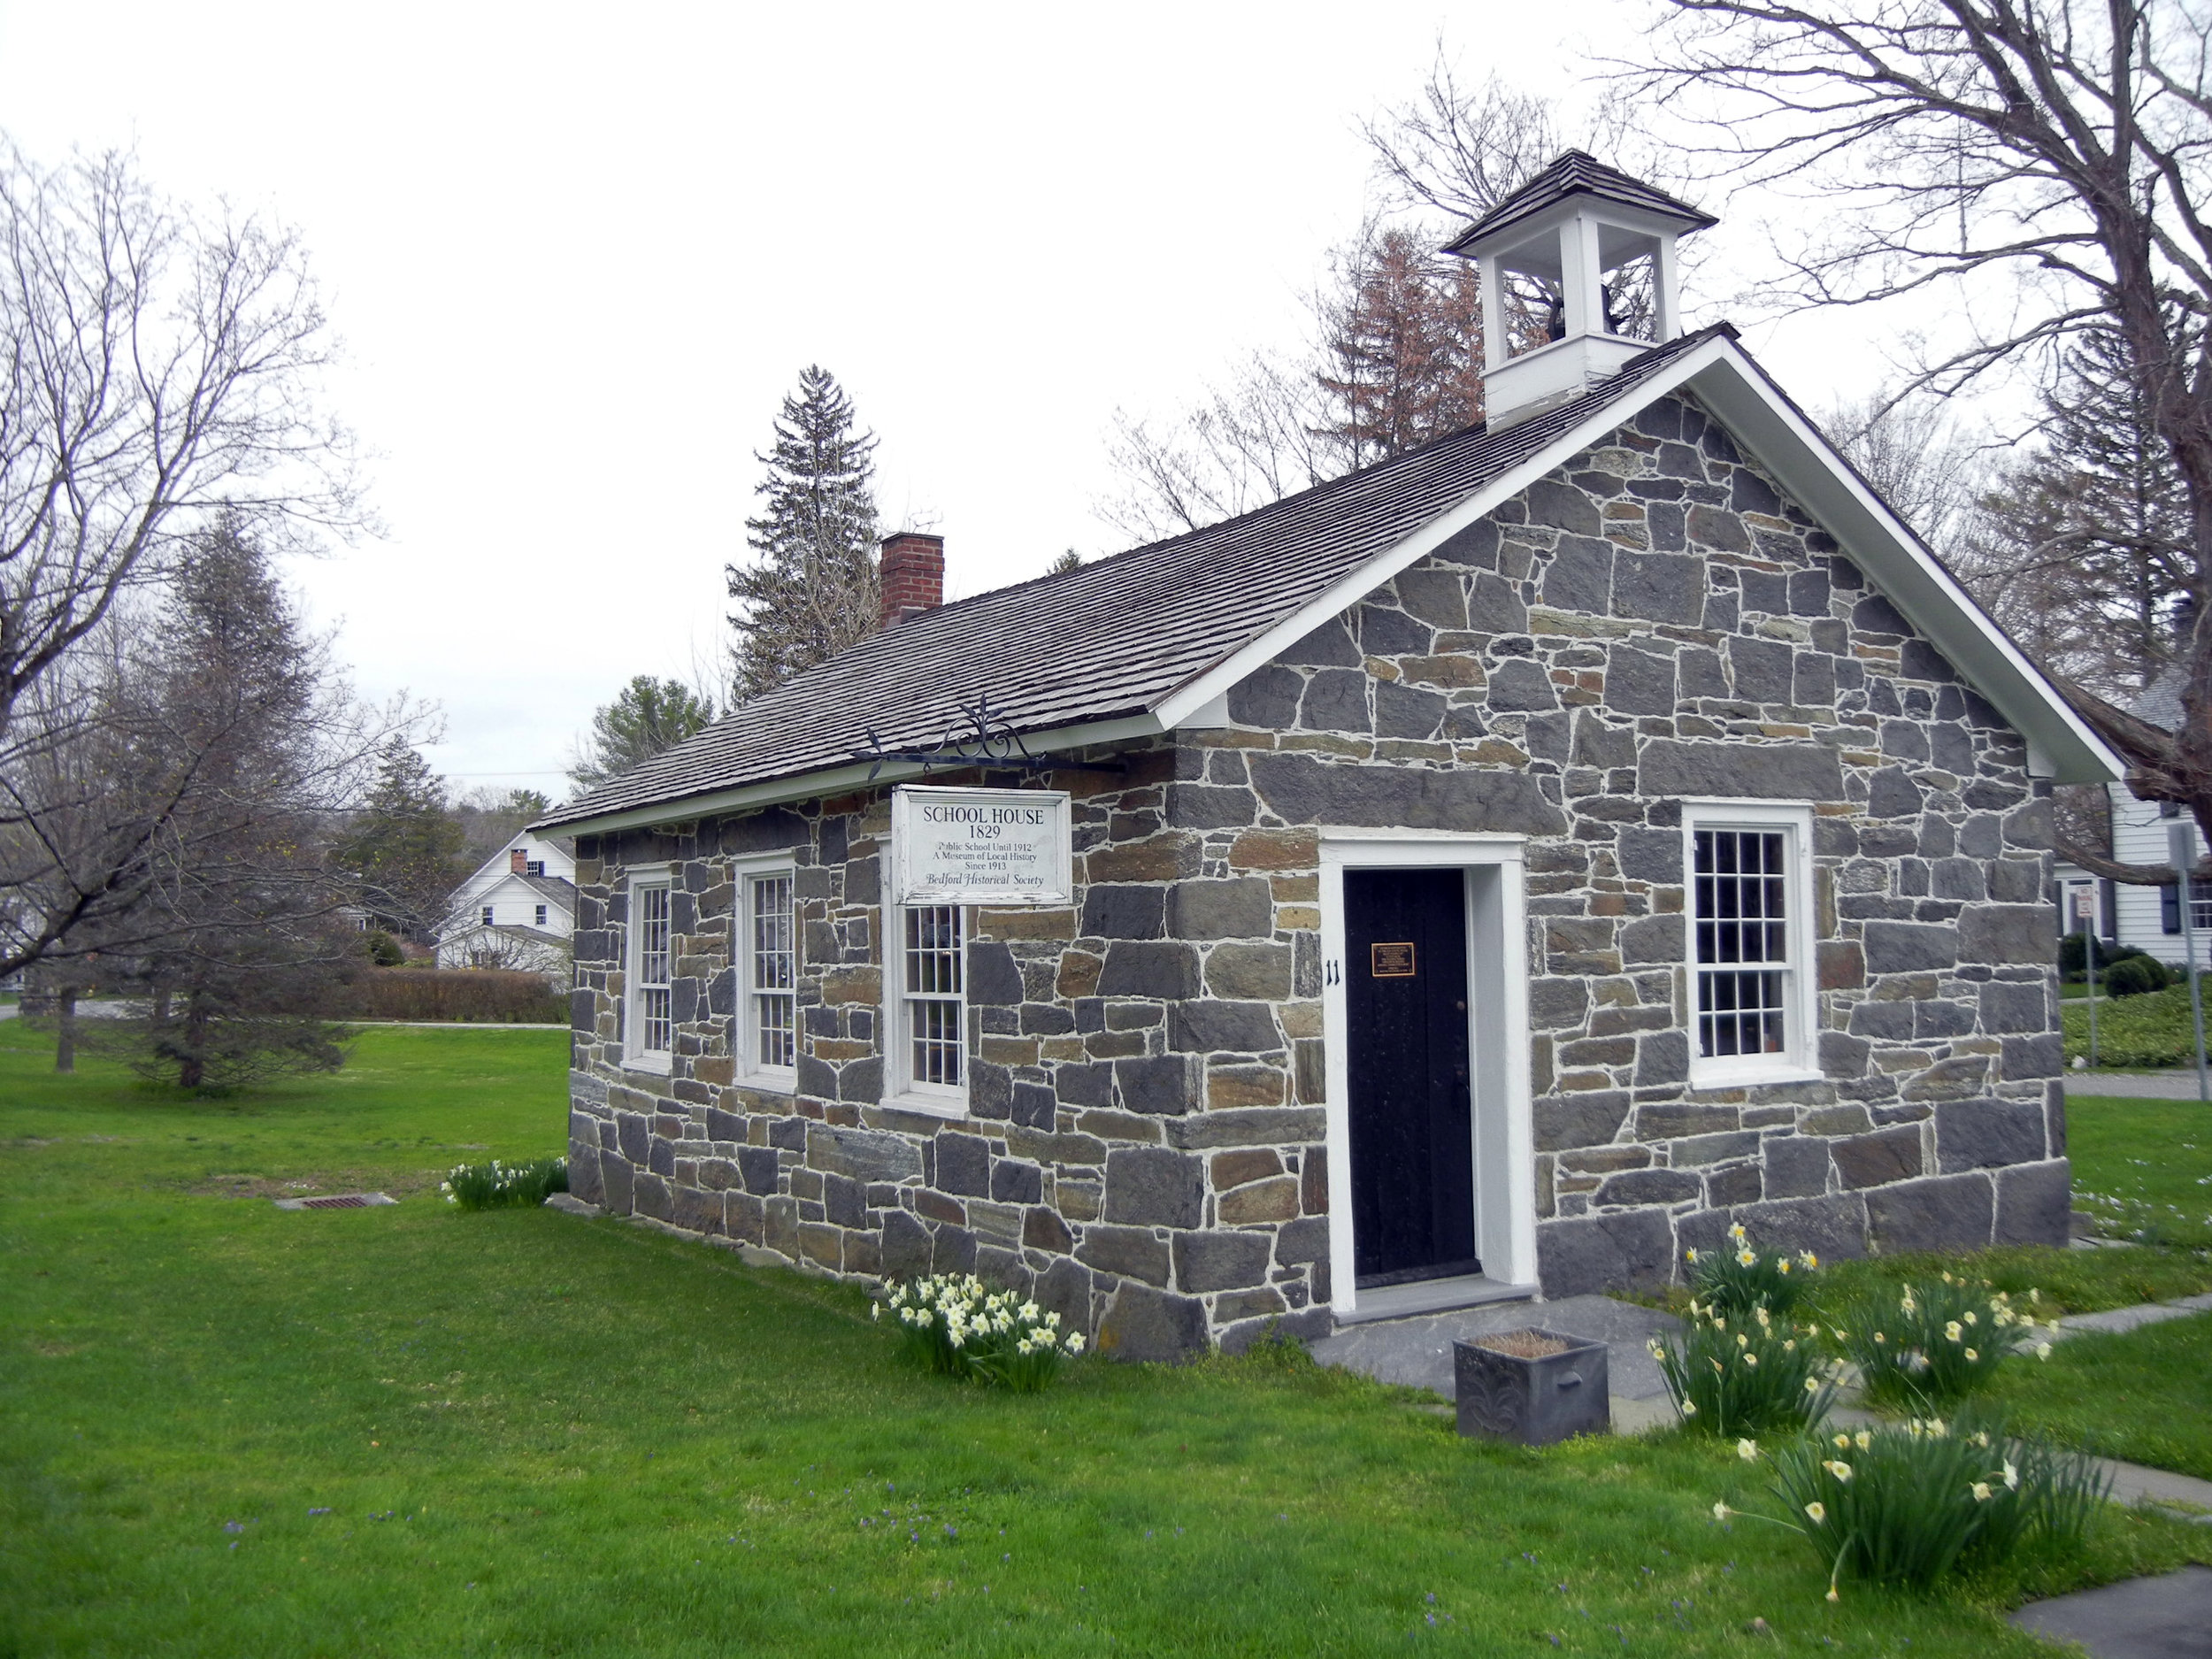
404, 848
251, 955
1401, 348
650, 715
812, 588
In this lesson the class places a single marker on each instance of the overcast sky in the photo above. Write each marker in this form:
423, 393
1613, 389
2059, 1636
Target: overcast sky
579, 255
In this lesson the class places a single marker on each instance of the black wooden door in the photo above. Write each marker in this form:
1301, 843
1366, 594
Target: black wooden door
1405, 997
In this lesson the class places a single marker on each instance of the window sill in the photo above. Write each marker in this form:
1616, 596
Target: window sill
1758, 1078
657, 1065
768, 1082
928, 1105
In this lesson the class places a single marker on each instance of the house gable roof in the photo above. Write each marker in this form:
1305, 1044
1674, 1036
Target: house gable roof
1143, 642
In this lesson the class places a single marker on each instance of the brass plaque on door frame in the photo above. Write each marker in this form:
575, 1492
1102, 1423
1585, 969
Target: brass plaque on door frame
1391, 961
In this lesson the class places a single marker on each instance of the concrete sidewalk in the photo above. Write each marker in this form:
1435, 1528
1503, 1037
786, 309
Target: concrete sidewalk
2168, 1618
2176, 1084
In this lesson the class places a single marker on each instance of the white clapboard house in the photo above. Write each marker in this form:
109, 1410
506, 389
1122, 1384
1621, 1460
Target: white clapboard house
517, 911
2148, 919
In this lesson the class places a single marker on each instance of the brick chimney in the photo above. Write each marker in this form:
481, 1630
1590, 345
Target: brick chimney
518, 861
913, 575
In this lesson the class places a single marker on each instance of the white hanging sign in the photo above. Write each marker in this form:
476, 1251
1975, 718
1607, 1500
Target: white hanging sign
997, 847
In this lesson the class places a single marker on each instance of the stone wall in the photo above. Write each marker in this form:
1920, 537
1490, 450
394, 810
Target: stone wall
1652, 621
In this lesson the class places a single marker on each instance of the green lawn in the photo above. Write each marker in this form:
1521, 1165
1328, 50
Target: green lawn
227, 1430
2144, 1396
2145, 1167
2154, 1029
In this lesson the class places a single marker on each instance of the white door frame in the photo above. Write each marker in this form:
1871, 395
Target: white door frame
1497, 1034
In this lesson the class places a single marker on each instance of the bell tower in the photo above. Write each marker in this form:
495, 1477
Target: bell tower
1578, 277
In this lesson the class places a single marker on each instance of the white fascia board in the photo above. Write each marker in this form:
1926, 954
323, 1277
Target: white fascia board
1902, 567
1180, 705
836, 779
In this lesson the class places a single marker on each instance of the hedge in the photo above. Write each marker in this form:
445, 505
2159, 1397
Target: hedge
492, 995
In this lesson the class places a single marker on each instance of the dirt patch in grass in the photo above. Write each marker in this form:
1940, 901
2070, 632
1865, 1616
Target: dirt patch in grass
400, 1185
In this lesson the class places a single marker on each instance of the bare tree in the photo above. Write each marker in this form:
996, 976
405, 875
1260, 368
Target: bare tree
2043, 158
1253, 439
158, 370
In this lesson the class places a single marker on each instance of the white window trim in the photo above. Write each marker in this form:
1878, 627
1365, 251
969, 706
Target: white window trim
744, 1035
899, 1088
1800, 1061
638, 878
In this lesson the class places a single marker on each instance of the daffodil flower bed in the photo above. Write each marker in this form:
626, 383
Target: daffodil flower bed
498, 1186
1746, 1375
1738, 1279
1938, 1341
957, 1325
1908, 1503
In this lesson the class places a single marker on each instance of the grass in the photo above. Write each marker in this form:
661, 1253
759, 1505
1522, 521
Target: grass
230, 1429
2145, 1167
2154, 1029
2144, 1395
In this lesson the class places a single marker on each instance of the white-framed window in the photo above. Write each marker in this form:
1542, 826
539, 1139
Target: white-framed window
541, 915
926, 1005
488, 916
648, 1026
1753, 1013
766, 1038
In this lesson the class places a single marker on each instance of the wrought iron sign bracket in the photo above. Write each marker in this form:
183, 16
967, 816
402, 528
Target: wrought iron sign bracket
987, 742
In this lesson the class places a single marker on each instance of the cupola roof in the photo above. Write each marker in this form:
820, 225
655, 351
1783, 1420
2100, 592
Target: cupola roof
1578, 173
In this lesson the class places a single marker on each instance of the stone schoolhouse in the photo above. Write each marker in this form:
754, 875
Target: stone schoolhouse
1495, 871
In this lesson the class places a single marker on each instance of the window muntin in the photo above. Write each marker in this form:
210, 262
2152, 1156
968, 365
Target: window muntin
930, 1023
1750, 905
772, 1026
651, 997
1743, 927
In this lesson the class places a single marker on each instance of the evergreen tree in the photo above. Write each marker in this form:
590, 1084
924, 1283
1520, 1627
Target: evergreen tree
650, 715
1400, 348
810, 589
251, 955
404, 847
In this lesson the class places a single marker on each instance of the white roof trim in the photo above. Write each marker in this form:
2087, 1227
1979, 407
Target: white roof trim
835, 779
1771, 428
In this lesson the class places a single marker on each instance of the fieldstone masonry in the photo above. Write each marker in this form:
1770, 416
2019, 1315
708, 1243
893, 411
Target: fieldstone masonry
1144, 1147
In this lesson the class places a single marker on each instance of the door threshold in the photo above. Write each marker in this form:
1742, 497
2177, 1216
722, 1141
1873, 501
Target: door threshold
1432, 1295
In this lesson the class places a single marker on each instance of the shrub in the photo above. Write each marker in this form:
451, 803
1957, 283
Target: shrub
1734, 1281
1940, 1341
1906, 1503
1744, 1375
958, 1327
2073, 957
496, 1185
494, 995
384, 950
2136, 976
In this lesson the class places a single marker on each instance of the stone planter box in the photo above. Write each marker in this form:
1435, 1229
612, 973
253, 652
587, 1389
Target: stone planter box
1534, 1387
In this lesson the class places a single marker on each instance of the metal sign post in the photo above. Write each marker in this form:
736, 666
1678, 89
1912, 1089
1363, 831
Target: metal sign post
2181, 851
2086, 912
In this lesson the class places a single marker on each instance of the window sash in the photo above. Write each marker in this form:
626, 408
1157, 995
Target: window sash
933, 997
773, 984
1746, 935
649, 919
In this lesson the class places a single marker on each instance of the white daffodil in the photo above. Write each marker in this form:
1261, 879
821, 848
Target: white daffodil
1837, 1467
1075, 1342
1748, 1450
2043, 1350
1721, 1511
1841, 1443
1818, 1511
1751, 1360
1981, 1491
1689, 1408
1972, 1356
1746, 1258
1864, 1439
2012, 1476
1953, 1331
